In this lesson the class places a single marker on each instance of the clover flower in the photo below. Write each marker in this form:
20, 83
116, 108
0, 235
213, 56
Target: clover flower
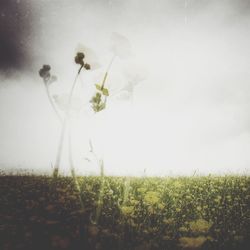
86, 57
44, 72
79, 58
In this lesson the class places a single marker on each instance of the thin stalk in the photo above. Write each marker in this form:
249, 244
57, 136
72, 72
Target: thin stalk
101, 193
107, 71
60, 149
52, 103
65, 121
72, 168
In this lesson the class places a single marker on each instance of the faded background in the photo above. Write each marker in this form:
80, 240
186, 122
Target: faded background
191, 113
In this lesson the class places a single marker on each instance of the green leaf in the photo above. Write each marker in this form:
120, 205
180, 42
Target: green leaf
95, 108
102, 106
105, 92
98, 87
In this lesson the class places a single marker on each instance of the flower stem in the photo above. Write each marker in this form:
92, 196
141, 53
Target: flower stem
59, 149
107, 71
65, 121
72, 168
52, 103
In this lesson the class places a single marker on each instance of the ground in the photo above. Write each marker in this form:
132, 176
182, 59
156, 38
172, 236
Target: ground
39, 212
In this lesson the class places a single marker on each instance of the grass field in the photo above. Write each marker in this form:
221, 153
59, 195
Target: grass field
39, 212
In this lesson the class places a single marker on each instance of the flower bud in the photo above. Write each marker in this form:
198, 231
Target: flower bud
87, 66
79, 58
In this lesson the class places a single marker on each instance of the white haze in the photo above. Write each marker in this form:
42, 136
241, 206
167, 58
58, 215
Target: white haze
191, 113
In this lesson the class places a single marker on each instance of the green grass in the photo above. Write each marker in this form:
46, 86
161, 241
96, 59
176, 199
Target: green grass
38, 212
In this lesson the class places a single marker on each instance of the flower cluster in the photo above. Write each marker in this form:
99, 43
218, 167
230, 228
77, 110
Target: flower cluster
100, 97
79, 60
98, 104
44, 72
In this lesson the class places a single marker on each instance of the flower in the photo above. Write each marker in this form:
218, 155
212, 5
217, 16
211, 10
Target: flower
127, 210
152, 198
120, 46
200, 225
89, 57
87, 66
79, 58
192, 242
44, 72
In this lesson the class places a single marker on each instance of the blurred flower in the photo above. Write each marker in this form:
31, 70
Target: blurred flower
127, 210
89, 57
152, 198
192, 242
44, 72
120, 46
79, 58
87, 66
200, 226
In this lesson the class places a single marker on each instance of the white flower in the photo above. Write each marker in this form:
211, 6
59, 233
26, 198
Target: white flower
89, 56
120, 46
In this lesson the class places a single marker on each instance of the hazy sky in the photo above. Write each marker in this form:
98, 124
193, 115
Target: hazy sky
191, 112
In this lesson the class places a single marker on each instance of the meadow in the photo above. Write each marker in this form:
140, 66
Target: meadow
101, 212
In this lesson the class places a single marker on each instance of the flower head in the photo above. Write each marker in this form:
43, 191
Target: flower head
87, 66
44, 72
79, 58
89, 56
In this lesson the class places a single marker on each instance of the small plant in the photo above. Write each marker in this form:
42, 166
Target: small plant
48, 79
99, 99
120, 49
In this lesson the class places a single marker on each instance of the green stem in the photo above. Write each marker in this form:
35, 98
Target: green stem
107, 71
101, 193
72, 168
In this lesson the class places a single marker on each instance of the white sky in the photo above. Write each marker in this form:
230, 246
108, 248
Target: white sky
191, 113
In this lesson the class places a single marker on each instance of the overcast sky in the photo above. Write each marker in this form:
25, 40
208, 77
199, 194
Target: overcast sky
190, 113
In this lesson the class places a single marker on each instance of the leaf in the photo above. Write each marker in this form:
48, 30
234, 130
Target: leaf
98, 87
102, 106
105, 92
